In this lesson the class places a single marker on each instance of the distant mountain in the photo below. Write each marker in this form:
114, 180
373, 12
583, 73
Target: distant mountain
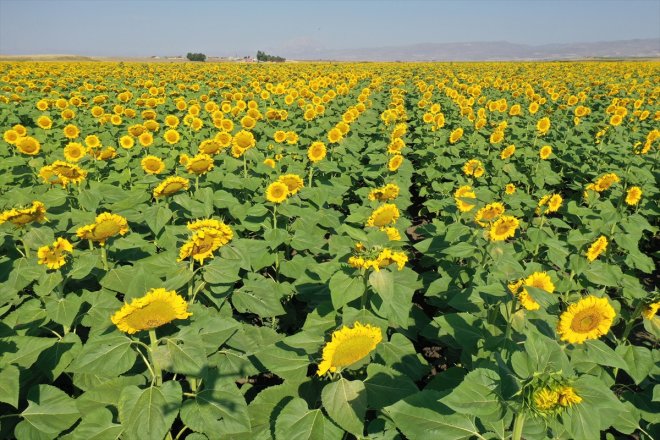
480, 51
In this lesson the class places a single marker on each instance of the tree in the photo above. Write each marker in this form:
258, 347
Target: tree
196, 56
262, 56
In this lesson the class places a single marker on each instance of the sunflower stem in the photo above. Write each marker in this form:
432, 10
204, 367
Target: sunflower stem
509, 323
311, 173
244, 166
104, 258
191, 266
26, 249
536, 250
196, 182
518, 426
363, 300
91, 244
158, 375
631, 321
192, 381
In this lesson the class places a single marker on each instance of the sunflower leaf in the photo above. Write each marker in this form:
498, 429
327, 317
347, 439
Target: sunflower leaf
346, 404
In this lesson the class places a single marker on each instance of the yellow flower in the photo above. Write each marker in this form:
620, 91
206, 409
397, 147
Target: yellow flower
105, 226
277, 192
62, 173
474, 168
280, 136
291, 137
546, 399
383, 215
508, 152
269, 162
568, 396
203, 243
545, 152
510, 188
597, 247
605, 181
543, 125
503, 228
54, 256
489, 213
589, 318
316, 151
28, 145
634, 195
393, 233
210, 147
146, 139
92, 141
22, 216
226, 233
199, 164
552, 202
156, 308
172, 136
650, 310
152, 165
395, 162
293, 183
462, 193
11, 136
170, 186
44, 122
335, 135
455, 135
127, 142
74, 151
348, 346
71, 131
540, 280
241, 142
387, 192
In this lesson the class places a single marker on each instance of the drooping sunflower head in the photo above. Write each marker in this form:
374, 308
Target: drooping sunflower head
455, 135
597, 247
62, 173
589, 318
152, 165
463, 193
22, 216
202, 244
316, 151
605, 181
105, 226
54, 256
503, 228
199, 164
158, 307
293, 182
650, 310
224, 231
210, 146
348, 346
395, 162
28, 145
170, 186
489, 213
508, 152
384, 215
277, 192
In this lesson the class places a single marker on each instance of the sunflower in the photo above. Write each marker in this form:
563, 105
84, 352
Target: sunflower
396, 146
597, 247
650, 310
199, 164
474, 168
105, 154
606, 181
127, 142
269, 162
44, 122
540, 280
225, 232
224, 139
488, 213
92, 141
54, 256
616, 120
543, 125
634, 195
510, 188
387, 192
348, 346
335, 135
74, 151
62, 173
455, 135
210, 147
496, 137
395, 162
170, 186
589, 318
23, 216
568, 397
152, 165
146, 139
392, 234
280, 136
28, 145
293, 183
316, 151
503, 228
203, 243
508, 152
551, 202
172, 136
545, 400
277, 192
243, 140
545, 152
462, 193
20, 129
105, 226
71, 131
11, 136
383, 215
156, 308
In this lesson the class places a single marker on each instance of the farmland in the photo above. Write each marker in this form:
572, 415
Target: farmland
329, 251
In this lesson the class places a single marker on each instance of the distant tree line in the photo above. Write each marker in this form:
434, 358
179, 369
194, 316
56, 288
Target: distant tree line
262, 56
196, 56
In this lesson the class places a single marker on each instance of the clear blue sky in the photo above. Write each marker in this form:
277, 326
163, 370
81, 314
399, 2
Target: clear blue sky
161, 27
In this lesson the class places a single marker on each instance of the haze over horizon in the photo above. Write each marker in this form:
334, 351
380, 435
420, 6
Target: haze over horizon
321, 29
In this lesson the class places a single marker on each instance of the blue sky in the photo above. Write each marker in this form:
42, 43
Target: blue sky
162, 27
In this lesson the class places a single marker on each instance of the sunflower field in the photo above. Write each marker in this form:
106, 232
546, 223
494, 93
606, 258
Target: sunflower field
329, 251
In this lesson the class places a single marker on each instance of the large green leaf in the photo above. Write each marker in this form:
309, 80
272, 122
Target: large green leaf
50, 410
96, 425
217, 412
297, 422
477, 395
385, 386
148, 414
346, 403
9, 385
109, 356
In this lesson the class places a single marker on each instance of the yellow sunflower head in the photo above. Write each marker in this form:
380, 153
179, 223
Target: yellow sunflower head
277, 192
503, 228
74, 151
170, 186
293, 182
634, 195
395, 162
489, 213
105, 226
348, 346
54, 256
589, 318
172, 136
384, 215
152, 165
156, 308
199, 164
22, 216
463, 193
597, 247
28, 145
545, 152
316, 151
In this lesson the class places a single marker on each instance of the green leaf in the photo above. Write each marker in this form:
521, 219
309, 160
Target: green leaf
346, 403
9, 385
345, 288
421, 416
400, 354
599, 352
83, 263
460, 250
261, 297
297, 422
221, 271
385, 386
50, 410
64, 310
286, 361
148, 414
28, 350
477, 395
156, 217
187, 356
96, 425
108, 356
217, 411
603, 274
639, 361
